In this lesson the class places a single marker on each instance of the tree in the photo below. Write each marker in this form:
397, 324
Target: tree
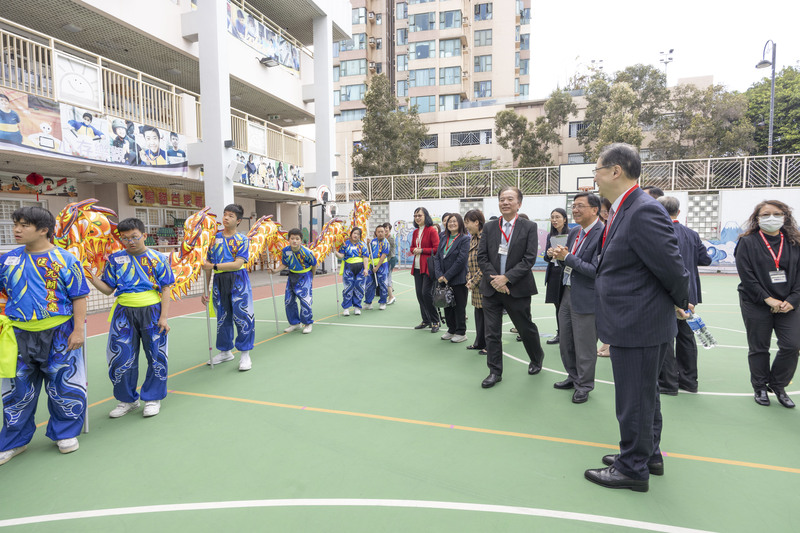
708, 122
786, 128
391, 139
530, 142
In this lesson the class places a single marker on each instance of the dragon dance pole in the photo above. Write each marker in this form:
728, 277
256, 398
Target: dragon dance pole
208, 323
86, 372
336, 283
272, 288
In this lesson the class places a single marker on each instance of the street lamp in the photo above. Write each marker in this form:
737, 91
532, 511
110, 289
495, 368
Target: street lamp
764, 63
666, 59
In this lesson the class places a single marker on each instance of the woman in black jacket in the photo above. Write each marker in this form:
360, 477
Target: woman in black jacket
768, 260
450, 266
554, 273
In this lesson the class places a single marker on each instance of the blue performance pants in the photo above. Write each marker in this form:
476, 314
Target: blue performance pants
233, 301
129, 325
381, 278
353, 291
298, 287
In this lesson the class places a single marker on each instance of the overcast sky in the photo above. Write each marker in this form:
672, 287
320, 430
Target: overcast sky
718, 38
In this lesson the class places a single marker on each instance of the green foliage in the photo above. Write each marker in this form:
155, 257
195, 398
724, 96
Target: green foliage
530, 142
786, 128
390, 139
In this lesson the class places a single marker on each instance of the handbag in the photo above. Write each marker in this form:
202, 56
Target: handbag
443, 295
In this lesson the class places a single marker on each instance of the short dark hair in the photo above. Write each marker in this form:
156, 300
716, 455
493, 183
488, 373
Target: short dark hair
505, 188
671, 204
173, 134
593, 199
523, 215
356, 229
88, 115
624, 155
130, 224
39, 217
145, 129
4, 97
387, 225
236, 209
475, 215
428, 219
461, 228
294, 231
653, 191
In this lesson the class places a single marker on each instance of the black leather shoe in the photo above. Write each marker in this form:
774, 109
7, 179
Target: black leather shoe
422, 326
491, 381
474, 347
668, 392
580, 396
534, 369
656, 468
761, 397
783, 398
563, 385
434, 328
554, 340
519, 338
483, 352
613, 479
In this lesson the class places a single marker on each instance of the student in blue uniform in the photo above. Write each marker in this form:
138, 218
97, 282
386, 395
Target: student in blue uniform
154, 155
142, 279
354, 270
85, 128
9, 122
45, 287
232, 294
379, 270
301, 262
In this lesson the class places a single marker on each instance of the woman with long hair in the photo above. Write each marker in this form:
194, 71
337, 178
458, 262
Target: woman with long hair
474, 221
768, 261
450, 266
554, 272
424, 242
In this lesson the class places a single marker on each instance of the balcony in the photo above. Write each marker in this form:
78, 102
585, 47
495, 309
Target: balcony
253, 135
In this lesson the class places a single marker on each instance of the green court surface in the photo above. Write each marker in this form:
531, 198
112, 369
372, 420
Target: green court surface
368, 425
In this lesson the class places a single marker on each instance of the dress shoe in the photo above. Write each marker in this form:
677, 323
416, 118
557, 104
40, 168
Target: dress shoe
563, 385
580, 396
783, 398
513, 330
761, 397
614, 479
423, 325
519, 338
668, 392
534, 369
656, 468
554, 340
434, 328
491, 380
483, 352
474, 347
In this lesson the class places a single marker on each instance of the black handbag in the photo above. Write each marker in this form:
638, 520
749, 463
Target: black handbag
443, 295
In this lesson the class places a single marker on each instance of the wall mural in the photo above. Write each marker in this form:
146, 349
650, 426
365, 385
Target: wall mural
266, 173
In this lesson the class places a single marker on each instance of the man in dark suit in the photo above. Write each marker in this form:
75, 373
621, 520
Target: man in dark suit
640, 285
576, 319
506, 254
680, 364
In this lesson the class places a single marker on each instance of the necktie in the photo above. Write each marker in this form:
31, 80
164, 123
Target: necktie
503, 257
567, 277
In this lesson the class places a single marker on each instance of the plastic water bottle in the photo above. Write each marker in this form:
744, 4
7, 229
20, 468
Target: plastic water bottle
700, 330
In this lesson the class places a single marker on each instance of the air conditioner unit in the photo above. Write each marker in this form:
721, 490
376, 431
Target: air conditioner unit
372, 66
372, 42
371, 15
465, 74
465, 21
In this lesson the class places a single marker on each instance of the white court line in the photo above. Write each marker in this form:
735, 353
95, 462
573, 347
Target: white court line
352, 502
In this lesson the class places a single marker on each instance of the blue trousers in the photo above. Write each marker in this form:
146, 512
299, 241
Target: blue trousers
381, 278
43, 356
353, 291
129, 325
233, 301
298, 287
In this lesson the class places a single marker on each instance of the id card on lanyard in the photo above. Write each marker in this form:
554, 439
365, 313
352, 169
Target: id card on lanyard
777, 275
503, 250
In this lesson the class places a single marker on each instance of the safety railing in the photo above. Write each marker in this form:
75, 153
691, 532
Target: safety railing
257, 136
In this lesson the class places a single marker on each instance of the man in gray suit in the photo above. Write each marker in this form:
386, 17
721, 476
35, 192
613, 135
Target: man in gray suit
576, 314
506, 254
641, 286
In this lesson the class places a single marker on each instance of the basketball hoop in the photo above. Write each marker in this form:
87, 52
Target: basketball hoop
586, 188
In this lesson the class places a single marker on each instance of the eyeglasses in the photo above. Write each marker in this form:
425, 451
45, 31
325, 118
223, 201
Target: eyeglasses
131, 240
594, 170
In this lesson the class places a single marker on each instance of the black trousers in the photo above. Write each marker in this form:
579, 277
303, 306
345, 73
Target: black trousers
424, 286
680, 363
760, 322
456, 316
519, 311
480, 337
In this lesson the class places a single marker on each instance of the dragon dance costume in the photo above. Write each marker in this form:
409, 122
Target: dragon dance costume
380, 247
140, 281
298, 287
353, 273
232, 294
41, 288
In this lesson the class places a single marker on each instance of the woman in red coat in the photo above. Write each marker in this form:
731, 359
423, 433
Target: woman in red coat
424, 243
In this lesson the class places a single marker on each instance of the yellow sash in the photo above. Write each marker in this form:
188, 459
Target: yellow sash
9, 351
135, 299
300, 271
351, 260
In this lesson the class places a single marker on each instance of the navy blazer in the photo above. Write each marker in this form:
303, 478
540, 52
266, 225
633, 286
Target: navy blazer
523, 248
694, 254
584, 268
453, 266
640, 276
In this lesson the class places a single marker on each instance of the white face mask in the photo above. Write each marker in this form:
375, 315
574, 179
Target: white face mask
770, 223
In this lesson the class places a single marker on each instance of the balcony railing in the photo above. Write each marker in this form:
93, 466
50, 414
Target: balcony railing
257, 136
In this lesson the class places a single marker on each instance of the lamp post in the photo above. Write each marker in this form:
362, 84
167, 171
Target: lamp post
666, 59
764, 63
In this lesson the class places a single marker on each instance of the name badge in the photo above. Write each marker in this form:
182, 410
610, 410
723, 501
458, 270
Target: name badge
218, 240
568, 271
503, 250
12, 260
122, 259
778, 276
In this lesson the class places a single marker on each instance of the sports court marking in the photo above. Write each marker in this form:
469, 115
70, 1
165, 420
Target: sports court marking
347, 502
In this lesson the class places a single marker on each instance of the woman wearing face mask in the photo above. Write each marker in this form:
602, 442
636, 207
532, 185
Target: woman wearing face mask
768, 260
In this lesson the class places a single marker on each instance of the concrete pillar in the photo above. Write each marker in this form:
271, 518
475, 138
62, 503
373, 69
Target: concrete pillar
325, 133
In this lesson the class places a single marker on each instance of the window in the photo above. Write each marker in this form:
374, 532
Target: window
336, 73
576, 158
449, 19
425, 104
360, 15
449, 102
449, 47
483, 89
336, 98
523, 66
422, 22
470, 138
525, 41
401, 11
358, 42
422, 50
350, 93
516, 59
525, 16
402, 88
483, 63
412, 2
7, 207
449, 75
523, 89
483, 37
402, 63
483, 11
378, 18
516, 85
353, 67
431, 141
378, 43
575, 127
422, 77
402, 109
516, 34
430, 168
378, 68
351, 114
402, 36
336, 49
645, 155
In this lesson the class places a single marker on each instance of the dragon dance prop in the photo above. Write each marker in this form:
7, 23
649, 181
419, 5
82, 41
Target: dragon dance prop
85, 230
199, 231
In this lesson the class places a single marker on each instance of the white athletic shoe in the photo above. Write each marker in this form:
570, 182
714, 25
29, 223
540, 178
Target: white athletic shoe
292, 327
244, 362
123, 408
458, 338
391, 300
368, 306
221, 357
152, 408
447, 336
68, 445
382, 307
357, 311
307, 329
8, 454
346, 312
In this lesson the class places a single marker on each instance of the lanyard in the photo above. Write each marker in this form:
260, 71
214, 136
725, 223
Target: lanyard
450, 242
500, 223
611, 220
769, 248
579, 240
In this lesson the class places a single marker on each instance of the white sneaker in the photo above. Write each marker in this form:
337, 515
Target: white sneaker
221, 357
458, 338
244, 362
346, 312
307, 329
357, 311
292, 327
68, 445
368, 306
447, 336
8, 454
391, 300
382, 307
123, 408
152, 408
